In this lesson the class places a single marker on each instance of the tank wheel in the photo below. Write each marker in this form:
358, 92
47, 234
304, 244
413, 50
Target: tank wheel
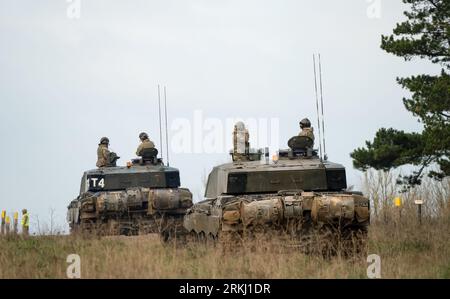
201, 237
211, 239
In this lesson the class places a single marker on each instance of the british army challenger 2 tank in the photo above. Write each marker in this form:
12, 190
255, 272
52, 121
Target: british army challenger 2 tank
296, 195
142, 197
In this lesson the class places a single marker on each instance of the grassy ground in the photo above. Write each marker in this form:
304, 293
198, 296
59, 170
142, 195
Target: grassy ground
406, 251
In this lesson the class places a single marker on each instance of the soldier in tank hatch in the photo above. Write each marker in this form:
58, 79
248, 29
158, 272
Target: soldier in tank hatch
103, 152
307, 130
145, 143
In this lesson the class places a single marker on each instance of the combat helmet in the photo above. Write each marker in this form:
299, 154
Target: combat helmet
143, 136
104, 140
305, 123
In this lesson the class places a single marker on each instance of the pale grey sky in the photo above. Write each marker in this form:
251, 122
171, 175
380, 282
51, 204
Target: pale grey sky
66, 82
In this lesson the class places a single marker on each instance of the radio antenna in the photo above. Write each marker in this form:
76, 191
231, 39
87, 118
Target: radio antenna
317, 105
321, 103
167, 129
160, 122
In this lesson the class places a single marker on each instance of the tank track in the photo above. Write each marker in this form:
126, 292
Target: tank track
168, 227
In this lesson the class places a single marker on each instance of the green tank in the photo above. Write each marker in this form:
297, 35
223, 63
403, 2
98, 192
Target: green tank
296, 195
140, 198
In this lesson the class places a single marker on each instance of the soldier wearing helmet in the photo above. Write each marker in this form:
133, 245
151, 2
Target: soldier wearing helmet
307, 130
145, 143
103, 152
241, 145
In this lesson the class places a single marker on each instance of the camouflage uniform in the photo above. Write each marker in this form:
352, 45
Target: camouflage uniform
308, 132
241, 145
146, 143
102, 155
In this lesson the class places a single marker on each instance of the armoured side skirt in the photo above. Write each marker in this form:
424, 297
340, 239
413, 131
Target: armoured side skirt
292, 214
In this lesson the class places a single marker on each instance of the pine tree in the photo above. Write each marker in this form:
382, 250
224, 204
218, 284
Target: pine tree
426, 35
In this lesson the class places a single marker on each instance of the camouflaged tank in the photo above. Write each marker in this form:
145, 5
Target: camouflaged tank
297, 195
142, 197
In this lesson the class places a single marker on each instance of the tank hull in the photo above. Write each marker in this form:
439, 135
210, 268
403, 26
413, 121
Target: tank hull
294, 215
130, 212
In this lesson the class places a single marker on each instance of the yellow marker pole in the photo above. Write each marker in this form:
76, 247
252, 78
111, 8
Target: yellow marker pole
398, 204
16, 222
3, 222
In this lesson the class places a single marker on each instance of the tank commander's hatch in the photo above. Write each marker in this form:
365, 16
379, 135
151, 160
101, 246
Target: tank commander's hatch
300, 143
299, 146
148, 156
112, 160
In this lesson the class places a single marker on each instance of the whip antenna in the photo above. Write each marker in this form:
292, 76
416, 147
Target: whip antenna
167, 129
317, 105
321, 101
160, 122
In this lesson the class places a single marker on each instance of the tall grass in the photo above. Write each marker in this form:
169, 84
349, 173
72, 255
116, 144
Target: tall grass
406, 249
381, 188
406, 252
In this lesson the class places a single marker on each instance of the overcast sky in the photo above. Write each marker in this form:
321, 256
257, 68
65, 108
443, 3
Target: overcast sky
67, 79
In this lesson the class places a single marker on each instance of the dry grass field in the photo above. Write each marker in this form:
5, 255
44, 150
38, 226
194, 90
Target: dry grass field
406, 251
